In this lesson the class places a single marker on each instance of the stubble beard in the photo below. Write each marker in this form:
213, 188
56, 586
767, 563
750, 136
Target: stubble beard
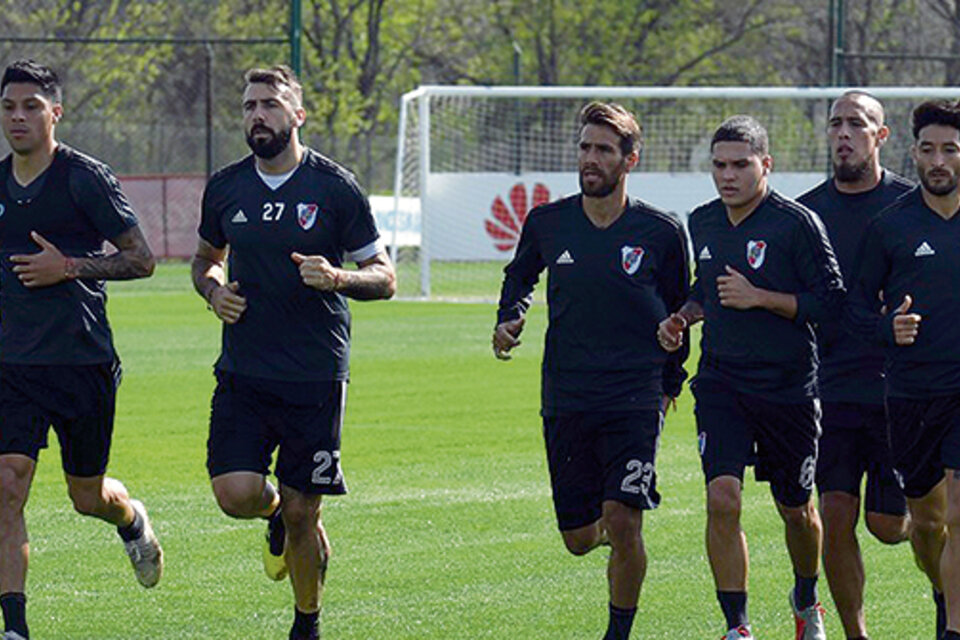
938, 190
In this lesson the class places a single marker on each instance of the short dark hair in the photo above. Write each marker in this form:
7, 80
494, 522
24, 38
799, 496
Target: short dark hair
943, 112
622, 122
30, 71
741, 128
279, 77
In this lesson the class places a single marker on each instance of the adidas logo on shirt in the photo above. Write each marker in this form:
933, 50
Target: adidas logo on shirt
705, 253
565, 257
239, 216
924, 250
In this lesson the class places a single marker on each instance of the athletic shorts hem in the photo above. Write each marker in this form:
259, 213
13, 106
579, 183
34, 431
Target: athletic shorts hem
790, 503
28, 452
316, 489
917, 492
224, 469
886, 511
714, 473
844, 490
570, 524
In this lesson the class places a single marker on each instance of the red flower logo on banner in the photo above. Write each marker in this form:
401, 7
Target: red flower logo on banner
504, 229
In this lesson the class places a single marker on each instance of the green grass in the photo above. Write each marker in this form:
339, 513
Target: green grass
448, 530
452, 280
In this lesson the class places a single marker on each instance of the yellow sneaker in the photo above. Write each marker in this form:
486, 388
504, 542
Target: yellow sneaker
274, 564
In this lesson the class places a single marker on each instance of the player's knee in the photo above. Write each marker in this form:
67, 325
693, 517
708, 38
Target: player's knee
926, 524
888, 529
723, 501
86, 501
236, 501
583, 540
622, 524
579, 545
300, 517
839, 512
802, 517
952, 520
14, 487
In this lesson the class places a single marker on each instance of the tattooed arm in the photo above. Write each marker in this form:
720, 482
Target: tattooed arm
374, 280
49, 266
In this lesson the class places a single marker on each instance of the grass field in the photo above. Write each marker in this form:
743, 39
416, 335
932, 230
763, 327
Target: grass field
450, 280
448, 532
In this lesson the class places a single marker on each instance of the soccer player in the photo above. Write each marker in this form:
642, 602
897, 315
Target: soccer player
911, 254
617, 267
765, 271
854, 439
286, 216
58, 366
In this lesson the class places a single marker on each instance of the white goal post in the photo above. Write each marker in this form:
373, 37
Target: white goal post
471, 161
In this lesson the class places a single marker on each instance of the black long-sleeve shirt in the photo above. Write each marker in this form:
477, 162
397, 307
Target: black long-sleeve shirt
909, 249
851, 370
607, 291
781, 246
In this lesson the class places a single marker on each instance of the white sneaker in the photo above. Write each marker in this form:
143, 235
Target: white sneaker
739, 633
13, 635
145, 552
809, 621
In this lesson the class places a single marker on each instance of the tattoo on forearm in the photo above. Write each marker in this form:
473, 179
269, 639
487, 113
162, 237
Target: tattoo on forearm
371, 283
132, 260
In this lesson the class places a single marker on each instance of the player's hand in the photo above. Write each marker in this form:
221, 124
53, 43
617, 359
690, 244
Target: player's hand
317, 272
48, 267
507, 336
905, 325
670, 332
227, 303
736, 291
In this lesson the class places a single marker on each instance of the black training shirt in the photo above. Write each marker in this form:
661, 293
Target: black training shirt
781, 246
851, 370
607, 291
910, 250
76, 204
289, 331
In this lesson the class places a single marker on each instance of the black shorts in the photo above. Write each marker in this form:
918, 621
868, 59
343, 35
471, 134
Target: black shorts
78, 401
600, 456
855, 442
736, 430
250, 417
924, 440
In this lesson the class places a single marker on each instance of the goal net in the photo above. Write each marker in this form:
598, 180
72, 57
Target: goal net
472, 161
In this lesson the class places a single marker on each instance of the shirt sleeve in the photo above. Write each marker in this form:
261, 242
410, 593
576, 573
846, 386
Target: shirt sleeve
521, 275
358, 229
674, 286
819, 270
861, 313
696, 291
96, 190
210, 228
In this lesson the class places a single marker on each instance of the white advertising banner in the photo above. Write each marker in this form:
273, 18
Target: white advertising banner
478, 216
